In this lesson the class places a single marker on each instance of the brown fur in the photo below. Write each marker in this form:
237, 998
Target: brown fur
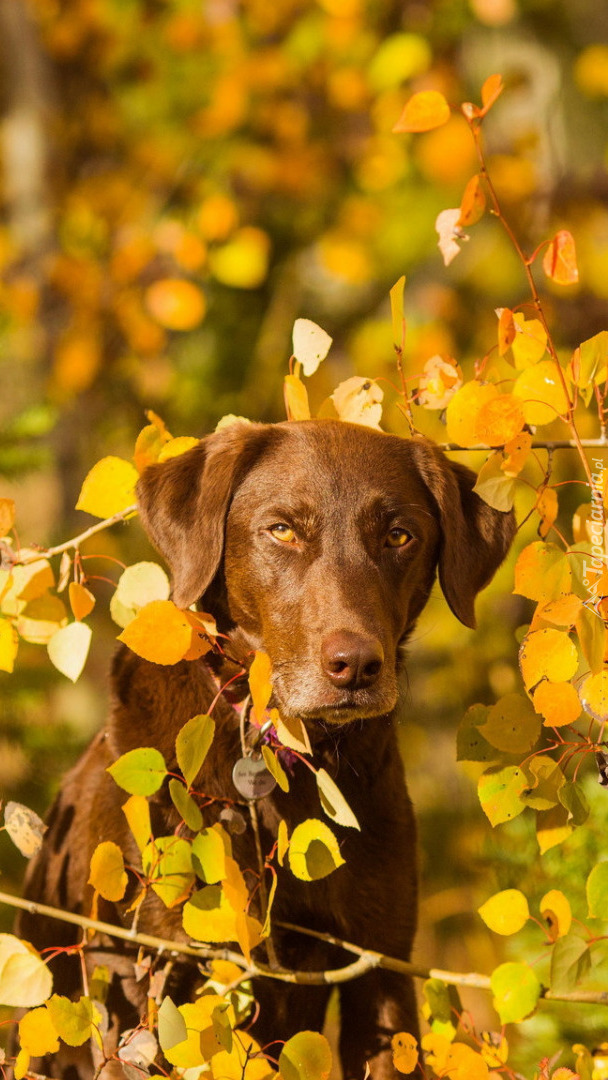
333, 611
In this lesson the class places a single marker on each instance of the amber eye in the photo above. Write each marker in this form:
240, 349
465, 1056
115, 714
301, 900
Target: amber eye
397, 538
282, 532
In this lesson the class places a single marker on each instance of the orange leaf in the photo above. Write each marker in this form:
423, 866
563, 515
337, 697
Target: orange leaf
561, 612
160, 633
490, 91
499, 420
547, 506
506, 330
423, 112
200, 644
260, 684
517, 451
559, 262
296, 399
176, 304
557, 702
82, 601
473, 203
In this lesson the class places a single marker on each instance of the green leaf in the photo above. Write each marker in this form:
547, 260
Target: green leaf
505, 912
333, 801
25, 980
513, 725
192, 745
570, 961
74, 1021
493, 485
171, 1025
313, 851
209, 855
167, 863
306, 1056
185, 805
222, 1027
500, 793
573, 798
271, 760
591, 633
597, 891
439, 1007
470, 743
545, 780
140, 772
516, 990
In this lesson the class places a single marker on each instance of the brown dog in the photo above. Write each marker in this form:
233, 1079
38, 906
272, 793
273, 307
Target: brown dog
317, 542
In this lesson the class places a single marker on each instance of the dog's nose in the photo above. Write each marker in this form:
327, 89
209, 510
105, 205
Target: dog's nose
351, 660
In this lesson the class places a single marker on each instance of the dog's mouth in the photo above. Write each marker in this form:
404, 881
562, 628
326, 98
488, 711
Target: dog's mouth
340, 711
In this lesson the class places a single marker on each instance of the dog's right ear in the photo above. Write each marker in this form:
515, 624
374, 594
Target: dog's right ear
183, 504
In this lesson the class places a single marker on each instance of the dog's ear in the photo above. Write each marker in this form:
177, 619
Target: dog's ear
475, 536
183, 504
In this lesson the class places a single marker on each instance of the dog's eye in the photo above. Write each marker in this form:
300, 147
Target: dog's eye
397, 538
283, 532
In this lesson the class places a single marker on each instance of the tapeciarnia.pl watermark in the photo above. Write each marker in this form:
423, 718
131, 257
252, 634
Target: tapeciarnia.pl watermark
593, 571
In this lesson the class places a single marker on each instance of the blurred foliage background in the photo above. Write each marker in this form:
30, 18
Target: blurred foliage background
180, 180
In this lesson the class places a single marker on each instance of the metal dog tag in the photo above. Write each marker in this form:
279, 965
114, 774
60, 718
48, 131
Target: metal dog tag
252, 779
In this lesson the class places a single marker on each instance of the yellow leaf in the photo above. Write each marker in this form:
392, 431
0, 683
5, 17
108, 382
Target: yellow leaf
359, 401
313, 851
175, 447
397, 313
561, 612
464, 1063
260, 684
37, 1036
594, 695
160, 633
405, 1052
242, 263
296, 399
557, 702
208, 916
542, 572
244, 1062
463, 410
137, 812
552, 828
7, 516
109, 488
24, 827
68, 649
9, 643
423, 112
306, 1056
547, 654
82, 600
167, 863
138, 585
282, 842
529, 342
291, 733
506, 329
201, 1043
555, 910
542, 392
41, 619
176, 304
108, 875
150, 442
506, 912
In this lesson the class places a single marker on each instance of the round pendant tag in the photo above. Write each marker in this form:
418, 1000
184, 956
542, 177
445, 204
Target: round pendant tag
252, 779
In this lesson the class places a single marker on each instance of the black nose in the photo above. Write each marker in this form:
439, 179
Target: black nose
351, 661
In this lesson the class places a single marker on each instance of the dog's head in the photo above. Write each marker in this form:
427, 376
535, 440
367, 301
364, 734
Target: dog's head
320, 541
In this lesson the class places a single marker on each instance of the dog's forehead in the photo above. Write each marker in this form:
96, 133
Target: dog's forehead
347, 463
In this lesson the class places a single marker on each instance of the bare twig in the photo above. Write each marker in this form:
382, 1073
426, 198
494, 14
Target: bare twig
76, 541
367, 960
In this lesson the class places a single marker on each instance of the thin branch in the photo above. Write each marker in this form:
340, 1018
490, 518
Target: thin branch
47, 553
367, 960
558, 444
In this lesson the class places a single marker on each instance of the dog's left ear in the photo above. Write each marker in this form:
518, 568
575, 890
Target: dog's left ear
183, 504
475, 536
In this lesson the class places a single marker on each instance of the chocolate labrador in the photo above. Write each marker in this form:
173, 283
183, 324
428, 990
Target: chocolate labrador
317, 542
